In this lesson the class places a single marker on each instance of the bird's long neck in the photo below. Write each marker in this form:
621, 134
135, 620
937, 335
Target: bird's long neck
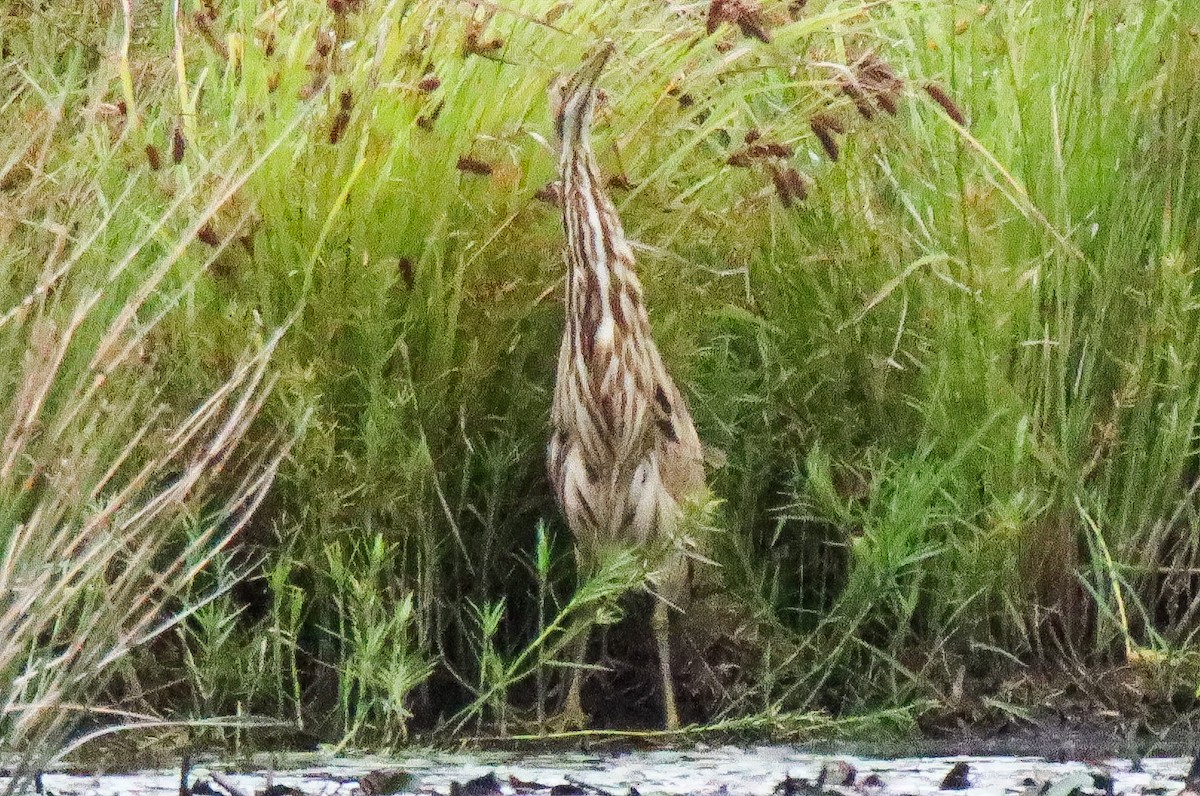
604, 295
608, 365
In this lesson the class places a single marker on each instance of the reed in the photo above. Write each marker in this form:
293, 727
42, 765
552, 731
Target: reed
948, 356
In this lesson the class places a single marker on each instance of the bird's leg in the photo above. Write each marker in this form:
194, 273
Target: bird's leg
572, 717
660, 622
574, 703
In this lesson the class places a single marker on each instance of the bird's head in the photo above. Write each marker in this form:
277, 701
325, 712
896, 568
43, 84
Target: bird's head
573, 96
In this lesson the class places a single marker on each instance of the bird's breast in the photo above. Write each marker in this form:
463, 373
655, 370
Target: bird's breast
604, 503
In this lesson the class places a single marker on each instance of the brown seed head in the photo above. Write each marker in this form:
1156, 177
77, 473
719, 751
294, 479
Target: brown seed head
204, 24
854, 91
741, 159
476, 44
473, 165
312, 88
823, 128
754, 28
325, 41
405, 267
879, 81
717, 13
746, 14
338, 128
178, 144
777, 150
789, 185
619, 181
796, 184
940, 96
781, 188
153, 157
684, 99
829, 122
428, 83
425, 121
208, 235
874, 70
554, 12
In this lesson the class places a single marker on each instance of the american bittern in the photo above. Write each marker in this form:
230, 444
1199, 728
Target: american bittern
624, 456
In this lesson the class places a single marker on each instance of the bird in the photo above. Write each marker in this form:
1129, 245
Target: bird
624, 456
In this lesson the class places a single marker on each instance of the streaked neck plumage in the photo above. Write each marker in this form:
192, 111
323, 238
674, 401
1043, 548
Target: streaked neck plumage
604, 295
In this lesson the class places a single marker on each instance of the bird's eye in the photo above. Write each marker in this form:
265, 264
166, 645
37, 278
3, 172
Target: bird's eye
557, 97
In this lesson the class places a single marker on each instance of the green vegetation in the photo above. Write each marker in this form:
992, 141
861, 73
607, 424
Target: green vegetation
289, 257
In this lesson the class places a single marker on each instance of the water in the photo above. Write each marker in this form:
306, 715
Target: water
734, 771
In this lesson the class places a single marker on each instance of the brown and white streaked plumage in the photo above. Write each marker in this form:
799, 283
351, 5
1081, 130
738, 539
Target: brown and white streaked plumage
624, 456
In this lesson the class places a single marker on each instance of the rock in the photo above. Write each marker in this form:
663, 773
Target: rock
958, 778
835, 774
871, 785
794, 787
280, 790
1191, 782
385, 783
1102, 781
568, 789
1070, 785
521, 786
487, 785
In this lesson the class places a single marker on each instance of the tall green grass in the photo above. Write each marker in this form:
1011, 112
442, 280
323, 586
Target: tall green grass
954, 387
117, 493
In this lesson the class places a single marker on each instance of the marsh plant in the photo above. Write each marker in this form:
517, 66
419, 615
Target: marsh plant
926, 271
114, 501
